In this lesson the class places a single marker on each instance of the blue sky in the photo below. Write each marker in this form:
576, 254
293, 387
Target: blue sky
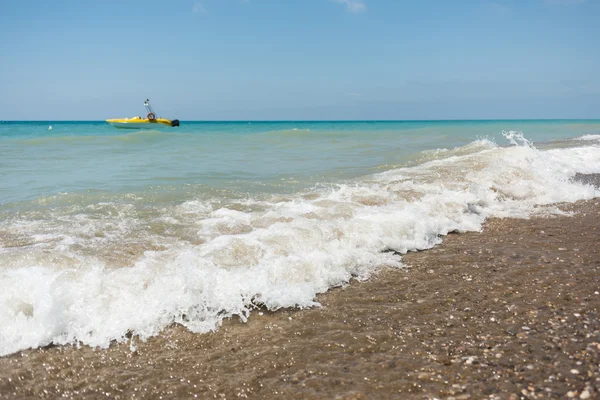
300, 59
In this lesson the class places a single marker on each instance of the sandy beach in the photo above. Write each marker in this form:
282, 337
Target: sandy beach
312, 200
508, 313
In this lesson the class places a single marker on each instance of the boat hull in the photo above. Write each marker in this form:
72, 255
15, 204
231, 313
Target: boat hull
139, 123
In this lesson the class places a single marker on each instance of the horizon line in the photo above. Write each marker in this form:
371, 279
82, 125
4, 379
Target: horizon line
323, 120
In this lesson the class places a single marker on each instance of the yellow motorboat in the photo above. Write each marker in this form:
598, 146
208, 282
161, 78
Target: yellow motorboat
150, 122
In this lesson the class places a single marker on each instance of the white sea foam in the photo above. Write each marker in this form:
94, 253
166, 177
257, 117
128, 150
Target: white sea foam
589, 137
91, 274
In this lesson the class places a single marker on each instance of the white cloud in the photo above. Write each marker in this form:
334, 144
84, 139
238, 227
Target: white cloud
565, 1
353, 6
496, 7
198, 7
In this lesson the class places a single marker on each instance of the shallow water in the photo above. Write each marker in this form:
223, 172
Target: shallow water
105, 232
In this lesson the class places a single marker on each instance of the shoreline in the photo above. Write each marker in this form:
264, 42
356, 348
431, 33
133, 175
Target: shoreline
510, 312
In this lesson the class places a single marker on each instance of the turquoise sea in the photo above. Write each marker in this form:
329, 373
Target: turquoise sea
105, 231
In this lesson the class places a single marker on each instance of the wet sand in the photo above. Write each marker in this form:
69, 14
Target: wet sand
512, 312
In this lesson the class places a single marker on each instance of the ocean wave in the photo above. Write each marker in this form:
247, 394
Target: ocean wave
98, 271
589, 137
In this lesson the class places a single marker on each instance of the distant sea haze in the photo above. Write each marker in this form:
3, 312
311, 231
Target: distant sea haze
106, 231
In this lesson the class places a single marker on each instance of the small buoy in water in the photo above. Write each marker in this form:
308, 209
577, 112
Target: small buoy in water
50, 128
